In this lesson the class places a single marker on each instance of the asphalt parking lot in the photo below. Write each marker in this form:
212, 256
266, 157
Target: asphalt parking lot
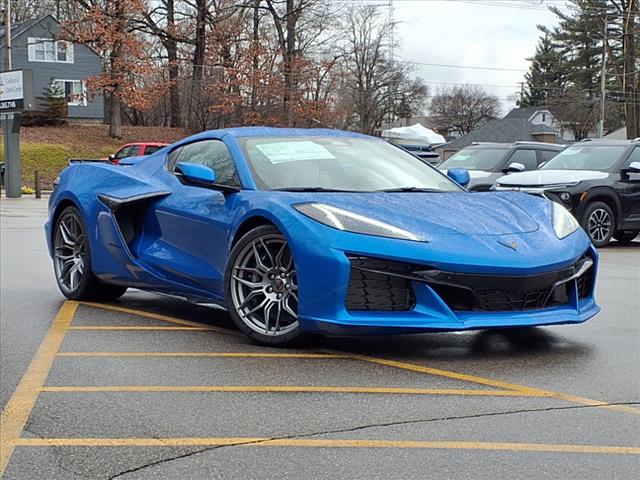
153, 387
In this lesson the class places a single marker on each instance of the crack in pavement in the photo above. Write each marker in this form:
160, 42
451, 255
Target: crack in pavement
364, 427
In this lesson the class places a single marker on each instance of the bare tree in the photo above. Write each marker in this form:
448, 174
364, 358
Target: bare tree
379, 86
463, 108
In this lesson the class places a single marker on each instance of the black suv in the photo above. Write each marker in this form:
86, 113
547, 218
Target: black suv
597, 180
487, 162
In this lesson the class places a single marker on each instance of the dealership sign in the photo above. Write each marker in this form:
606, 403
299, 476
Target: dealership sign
16, 91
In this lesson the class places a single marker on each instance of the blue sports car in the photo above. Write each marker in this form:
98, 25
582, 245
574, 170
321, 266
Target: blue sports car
298, 230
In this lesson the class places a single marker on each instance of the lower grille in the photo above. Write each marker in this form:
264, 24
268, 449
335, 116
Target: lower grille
386, 286
377, 291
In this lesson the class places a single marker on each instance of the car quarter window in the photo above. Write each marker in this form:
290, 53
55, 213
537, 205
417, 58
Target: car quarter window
527, 158
215, 155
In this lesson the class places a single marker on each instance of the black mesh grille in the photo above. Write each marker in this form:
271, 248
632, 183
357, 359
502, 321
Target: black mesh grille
383, 285
377, 291
585, 284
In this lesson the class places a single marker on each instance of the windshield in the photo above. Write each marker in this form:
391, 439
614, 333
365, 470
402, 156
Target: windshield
338, 163
586, 157
488, 159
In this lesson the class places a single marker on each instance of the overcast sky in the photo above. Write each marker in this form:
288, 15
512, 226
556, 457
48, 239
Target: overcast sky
484, 33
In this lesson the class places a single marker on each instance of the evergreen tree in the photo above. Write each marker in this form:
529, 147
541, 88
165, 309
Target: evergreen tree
546, 74
54, 105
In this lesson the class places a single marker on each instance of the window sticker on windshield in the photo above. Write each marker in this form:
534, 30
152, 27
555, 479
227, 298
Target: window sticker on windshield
294, 151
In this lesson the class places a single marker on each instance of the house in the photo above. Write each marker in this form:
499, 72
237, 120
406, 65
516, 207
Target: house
35, 45
517, 126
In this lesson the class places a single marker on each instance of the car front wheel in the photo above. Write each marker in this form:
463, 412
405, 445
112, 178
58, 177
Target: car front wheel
599, 222
261, 287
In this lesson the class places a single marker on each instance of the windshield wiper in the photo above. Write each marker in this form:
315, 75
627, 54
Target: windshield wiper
312, 189
410, 189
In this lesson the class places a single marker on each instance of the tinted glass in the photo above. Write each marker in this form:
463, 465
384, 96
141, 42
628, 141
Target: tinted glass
215, 155
338, 163
528, 158
151, 149
547, 155
123, 152
488, 159
586, 157
135, 150
634, 157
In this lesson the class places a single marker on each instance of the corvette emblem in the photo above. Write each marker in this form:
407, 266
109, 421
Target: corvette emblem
513, 245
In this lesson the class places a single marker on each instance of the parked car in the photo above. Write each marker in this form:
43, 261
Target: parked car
317, 230
487, 162
597, 180
138, 149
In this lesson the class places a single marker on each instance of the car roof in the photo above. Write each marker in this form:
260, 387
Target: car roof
602, 142
242, 132
537, 145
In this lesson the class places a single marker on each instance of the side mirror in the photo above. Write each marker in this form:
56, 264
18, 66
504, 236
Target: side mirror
459, 175
112, 158
634, 167
514, 168
196, 174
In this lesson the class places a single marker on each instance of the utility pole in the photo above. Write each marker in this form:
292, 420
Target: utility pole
7, 33
521, 95
603, 80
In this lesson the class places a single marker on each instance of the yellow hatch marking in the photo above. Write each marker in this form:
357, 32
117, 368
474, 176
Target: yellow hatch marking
17, 410
323, 443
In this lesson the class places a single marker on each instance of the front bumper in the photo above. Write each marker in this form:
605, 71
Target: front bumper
338, 304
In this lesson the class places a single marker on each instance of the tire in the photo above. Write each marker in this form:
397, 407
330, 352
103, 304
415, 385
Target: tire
72, 261
625, 236
261, 288
599, 223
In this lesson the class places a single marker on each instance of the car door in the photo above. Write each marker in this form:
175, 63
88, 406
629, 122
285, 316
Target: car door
187, 233
628, 188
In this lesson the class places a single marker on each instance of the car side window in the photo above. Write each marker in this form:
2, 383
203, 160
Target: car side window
527, 158
123, 152
634, 157
151, 149
135, 150
546, 155
215, 155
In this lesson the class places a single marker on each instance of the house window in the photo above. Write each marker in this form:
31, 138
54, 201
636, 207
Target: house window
47, 50
73, 91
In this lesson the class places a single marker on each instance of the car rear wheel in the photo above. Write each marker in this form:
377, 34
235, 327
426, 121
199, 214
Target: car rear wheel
599, 223
625, 235
261, 287
72, 261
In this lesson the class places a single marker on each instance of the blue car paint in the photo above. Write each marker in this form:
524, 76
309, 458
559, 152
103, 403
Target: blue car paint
188, 234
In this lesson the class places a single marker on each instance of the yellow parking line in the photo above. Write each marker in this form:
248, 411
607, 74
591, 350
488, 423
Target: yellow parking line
495, 383
203, 354
282, 389
158, 316
323, 443
140, 327
17, 410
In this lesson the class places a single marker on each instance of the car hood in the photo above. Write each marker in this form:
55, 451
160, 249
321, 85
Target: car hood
429, 214
539, 178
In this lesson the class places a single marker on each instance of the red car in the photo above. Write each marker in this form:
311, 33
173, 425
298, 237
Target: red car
136, 150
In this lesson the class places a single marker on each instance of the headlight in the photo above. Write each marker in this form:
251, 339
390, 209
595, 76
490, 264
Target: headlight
564, 223
352, 222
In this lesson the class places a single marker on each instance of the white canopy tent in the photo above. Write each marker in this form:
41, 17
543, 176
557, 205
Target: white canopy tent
413, 135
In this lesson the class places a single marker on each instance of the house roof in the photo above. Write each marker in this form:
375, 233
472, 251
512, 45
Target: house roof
526, 112
502, 130
21, 27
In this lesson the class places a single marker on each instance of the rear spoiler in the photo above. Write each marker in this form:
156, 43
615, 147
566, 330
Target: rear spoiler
89, 160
